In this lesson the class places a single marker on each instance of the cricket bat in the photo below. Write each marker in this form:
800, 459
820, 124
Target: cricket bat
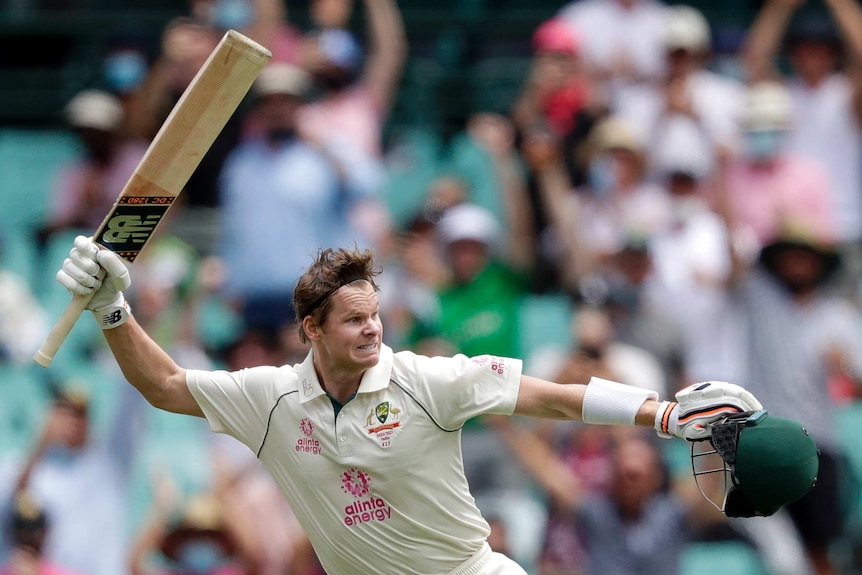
188, 132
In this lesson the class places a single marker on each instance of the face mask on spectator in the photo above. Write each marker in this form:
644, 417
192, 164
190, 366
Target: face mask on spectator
124, 71
201, 557
232, 14
602, 175
763, 145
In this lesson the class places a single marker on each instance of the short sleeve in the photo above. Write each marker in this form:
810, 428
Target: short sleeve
238, 403
455, 389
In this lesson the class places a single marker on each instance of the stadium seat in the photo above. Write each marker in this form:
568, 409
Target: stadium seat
22, 410
545, 320
720, 558
29, 159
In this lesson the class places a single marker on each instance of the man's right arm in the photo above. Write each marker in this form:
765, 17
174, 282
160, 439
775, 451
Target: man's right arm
102, 275
150, 369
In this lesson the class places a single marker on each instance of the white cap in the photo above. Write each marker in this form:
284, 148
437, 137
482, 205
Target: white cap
468, 222
95, 109
683, 148
686, 28
768, 106
282, 78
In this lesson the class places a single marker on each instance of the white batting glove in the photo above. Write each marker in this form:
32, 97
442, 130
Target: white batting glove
700, 404
90, 270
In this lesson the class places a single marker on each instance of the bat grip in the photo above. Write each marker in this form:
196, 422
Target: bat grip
45, 355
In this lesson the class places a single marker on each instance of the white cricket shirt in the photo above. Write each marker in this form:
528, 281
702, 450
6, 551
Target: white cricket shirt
380, 489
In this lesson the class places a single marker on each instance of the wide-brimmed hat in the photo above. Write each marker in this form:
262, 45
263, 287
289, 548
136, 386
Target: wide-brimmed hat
201, 519
798, 239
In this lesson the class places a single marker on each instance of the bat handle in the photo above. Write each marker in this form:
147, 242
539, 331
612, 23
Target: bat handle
61, 329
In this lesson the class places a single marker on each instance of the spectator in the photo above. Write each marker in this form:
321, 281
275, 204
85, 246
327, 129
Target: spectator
557, 95
29, 526
793, 338
287, 197
484, 279
84, 190
81, 482
689, 260
638, 498
357, 91
206, 537
825, 91
769, 185
622, 39
265, 21
597, 351
616, 278
688, 96
186, 43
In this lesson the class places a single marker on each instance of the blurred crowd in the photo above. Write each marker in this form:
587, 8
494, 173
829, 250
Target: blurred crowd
683, 218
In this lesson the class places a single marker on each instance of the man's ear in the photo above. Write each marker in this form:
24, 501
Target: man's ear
311, 328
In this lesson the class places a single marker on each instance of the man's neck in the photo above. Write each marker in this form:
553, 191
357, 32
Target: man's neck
338, 384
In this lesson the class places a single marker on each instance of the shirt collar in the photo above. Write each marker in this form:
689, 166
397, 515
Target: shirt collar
374, 379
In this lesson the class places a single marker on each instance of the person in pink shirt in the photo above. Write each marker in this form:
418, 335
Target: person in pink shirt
357, 90
767, 186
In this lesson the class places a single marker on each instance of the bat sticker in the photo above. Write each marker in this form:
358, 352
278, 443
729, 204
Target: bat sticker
131, 223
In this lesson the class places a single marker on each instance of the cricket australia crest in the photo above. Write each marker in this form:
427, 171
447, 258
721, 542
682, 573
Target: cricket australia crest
384, 422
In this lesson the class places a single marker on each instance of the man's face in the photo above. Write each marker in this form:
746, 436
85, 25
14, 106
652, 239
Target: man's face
352, 333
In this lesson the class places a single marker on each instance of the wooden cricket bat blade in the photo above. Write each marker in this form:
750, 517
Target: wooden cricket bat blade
175, 152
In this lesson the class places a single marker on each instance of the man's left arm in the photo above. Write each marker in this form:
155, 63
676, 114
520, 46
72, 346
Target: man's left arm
604, 402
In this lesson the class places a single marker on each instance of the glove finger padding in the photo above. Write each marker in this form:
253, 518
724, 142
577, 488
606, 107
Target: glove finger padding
703, 403
116, 271
91, 270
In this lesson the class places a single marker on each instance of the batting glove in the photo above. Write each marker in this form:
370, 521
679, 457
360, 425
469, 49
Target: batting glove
700, 404
90, 270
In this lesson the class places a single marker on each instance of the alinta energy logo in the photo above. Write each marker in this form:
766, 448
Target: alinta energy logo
307, 444
367, 507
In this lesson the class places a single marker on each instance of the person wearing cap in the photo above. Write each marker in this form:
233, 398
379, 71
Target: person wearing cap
768, 184
688, 96
824, 50
357, 87
85, 188
201, 536
618, 198
283, 196
28, 527
365, 441
80, 476
787, 331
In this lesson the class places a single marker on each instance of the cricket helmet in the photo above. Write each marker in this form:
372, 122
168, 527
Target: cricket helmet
767, 462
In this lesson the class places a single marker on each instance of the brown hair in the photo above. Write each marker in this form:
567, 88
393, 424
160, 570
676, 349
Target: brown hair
332, 269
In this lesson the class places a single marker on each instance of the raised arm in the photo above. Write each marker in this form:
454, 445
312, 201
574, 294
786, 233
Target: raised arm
848, 18
540, 461
764, 38
387, 53
145, 365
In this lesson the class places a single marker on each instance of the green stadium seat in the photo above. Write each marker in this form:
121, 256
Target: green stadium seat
720, 558
545, 320
22, 409
29, 160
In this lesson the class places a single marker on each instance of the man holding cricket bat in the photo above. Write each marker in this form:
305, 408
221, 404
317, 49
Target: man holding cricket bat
365, 441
